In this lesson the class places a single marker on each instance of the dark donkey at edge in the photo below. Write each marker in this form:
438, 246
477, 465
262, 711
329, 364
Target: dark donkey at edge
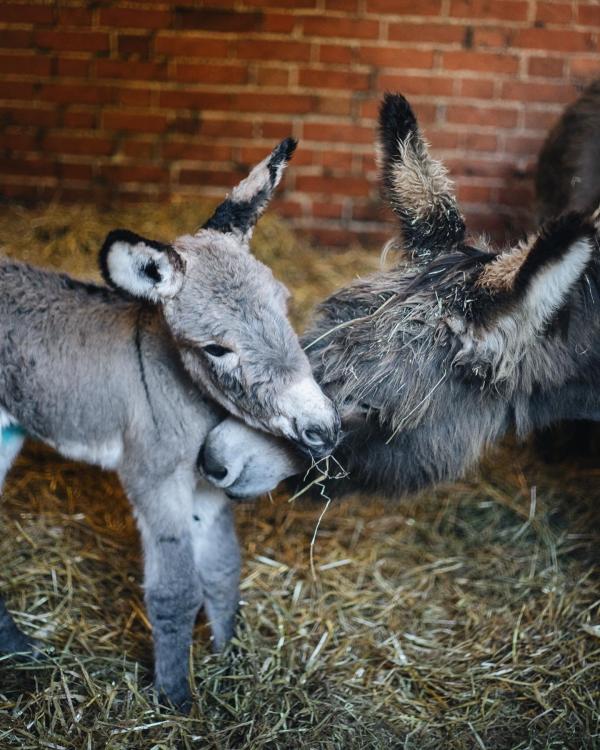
437, 358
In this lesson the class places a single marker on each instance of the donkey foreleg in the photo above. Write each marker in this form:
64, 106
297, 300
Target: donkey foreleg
173, 592
217, 560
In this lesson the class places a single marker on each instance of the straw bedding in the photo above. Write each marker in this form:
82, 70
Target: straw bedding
465, 617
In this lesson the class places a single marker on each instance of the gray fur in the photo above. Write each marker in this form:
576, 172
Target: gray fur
429, 364
123, 378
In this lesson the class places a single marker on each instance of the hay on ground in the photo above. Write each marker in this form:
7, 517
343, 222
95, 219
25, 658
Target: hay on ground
465, 617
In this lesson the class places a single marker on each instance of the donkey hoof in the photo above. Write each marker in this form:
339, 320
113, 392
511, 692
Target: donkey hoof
177, 696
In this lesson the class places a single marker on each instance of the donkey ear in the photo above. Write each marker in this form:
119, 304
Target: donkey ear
522, 291
415, 185
142, 268
534, 280
240, 211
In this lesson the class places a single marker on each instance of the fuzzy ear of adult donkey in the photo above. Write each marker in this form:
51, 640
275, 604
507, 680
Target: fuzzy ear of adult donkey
433, 360
133, 375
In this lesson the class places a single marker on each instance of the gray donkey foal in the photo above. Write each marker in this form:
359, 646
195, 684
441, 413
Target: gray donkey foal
122, 376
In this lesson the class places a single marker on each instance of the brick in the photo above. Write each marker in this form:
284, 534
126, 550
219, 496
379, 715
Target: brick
133, 70
327, 210
441, 140
72, 41
486, 62
190, 46
263, 49
213, 74
72, 67
336, 53
537, 92
480, 142
333, 104
588, 15
73, 118
28, 168
198, 100
197, 151
476, 88
10, 114
64, 93
492, 38
136, 148
503, 10
272, 130
15, 39
123, 173
74, 16
272, 77
292, 4
19, 141
541, 119
26, 14
421, 33
218, 20
585, 66
405, 7
553, 12
546, 67
134, 97
141, 123
555, 40
524, 145
134, 18
25, 65
229, 128
333, 160
280, 103
489, 116
343, 185
188, 124
474, 193
388, 57
134, 44
416, 85
333, 79
203, 177
340, 27
328, 133
67, 143
16, 90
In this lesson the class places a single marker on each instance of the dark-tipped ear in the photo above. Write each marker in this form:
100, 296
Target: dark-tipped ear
415, 185
523, 291
142, 268
240, 211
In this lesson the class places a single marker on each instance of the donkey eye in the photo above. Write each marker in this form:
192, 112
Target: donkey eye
216, 351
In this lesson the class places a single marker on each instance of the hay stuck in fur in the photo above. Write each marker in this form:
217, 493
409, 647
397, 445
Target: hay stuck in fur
466, 617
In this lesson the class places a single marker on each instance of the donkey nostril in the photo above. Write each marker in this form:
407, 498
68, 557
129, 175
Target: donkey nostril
211, 467
217, 472
313, 436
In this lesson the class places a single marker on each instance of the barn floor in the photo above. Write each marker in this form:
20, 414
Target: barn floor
466, 617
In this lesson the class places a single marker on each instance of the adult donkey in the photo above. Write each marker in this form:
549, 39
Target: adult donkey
433, 360
133, 377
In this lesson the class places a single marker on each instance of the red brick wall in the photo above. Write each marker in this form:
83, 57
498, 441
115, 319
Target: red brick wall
147, 100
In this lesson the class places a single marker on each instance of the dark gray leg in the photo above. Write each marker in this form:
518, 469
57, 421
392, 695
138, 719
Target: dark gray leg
217, 560
12, 640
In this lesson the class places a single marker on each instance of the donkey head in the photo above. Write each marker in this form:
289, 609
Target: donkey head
432, 360
227, 314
